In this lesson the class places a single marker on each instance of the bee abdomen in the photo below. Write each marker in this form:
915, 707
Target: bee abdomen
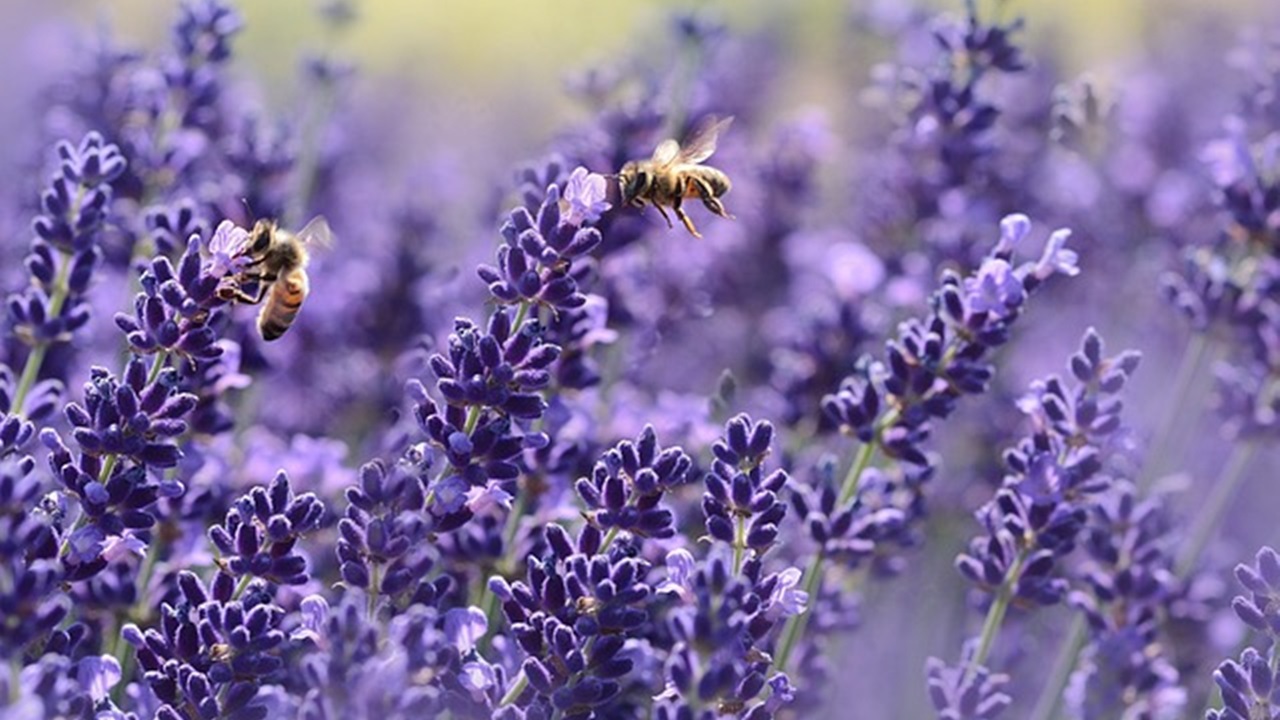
706, 182
282, 305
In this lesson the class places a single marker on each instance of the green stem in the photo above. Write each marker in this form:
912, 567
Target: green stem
609, 537
15, 673
849, 489
29, 373
488, 601
739, 543
31, 370
240, 586
996, 613
796, 623
1188, 368
123, 651
473, 419
813, 575
161, 360
375, 579
1206, 523
517, 687
521, 314
1063, 664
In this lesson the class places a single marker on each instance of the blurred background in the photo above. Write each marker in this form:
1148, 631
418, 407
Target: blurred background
462, 65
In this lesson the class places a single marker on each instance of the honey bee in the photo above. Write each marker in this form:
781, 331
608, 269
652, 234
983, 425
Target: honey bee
277, 268
674, 173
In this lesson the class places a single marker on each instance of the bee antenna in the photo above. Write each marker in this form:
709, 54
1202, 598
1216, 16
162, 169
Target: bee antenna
248, 210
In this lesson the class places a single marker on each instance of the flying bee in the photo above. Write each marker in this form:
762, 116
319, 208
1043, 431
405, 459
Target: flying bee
277, 268
674, 173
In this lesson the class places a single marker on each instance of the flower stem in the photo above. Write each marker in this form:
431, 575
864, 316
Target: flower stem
996, 613
609, 537
1063, 664
796, 623
813, 575
488, 601
1193, 356
31, 370
473, 419
158, 364
1206, 523
521, 314
375, 579
849, 489
15, 675
123, 651
739, 543
517, 687
240, 586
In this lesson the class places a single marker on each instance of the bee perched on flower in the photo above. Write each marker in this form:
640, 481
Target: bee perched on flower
273, 263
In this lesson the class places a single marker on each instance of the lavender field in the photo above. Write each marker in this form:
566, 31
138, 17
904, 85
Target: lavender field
964, 404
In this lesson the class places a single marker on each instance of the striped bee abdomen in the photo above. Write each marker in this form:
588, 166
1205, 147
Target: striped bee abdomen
283, 303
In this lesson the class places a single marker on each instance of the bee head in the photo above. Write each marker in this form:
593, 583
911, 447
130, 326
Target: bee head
260, 236
634, 181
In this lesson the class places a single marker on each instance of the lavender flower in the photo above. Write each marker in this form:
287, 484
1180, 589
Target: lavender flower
535, 265
571, 616
628, 483
172, 313
1247, 686
213, 650
742, 505
379, 537
965, 692
63, 256
1041, 508
260, 532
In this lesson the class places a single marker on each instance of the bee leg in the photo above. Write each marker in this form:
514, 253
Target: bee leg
244, 297
664, 215
684, 218
709, 199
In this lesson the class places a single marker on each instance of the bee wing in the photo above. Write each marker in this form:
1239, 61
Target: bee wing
316, 234
666, 153
701, 143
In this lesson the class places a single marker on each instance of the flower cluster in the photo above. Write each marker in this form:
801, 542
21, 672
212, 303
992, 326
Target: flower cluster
212, 651
1248, 685
938, 359
73, 213
261, 531
628, 482
536, 264
380, 537
742, 504
571, 616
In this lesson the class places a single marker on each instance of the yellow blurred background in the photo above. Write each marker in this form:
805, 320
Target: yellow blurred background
491, 46
461, 69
